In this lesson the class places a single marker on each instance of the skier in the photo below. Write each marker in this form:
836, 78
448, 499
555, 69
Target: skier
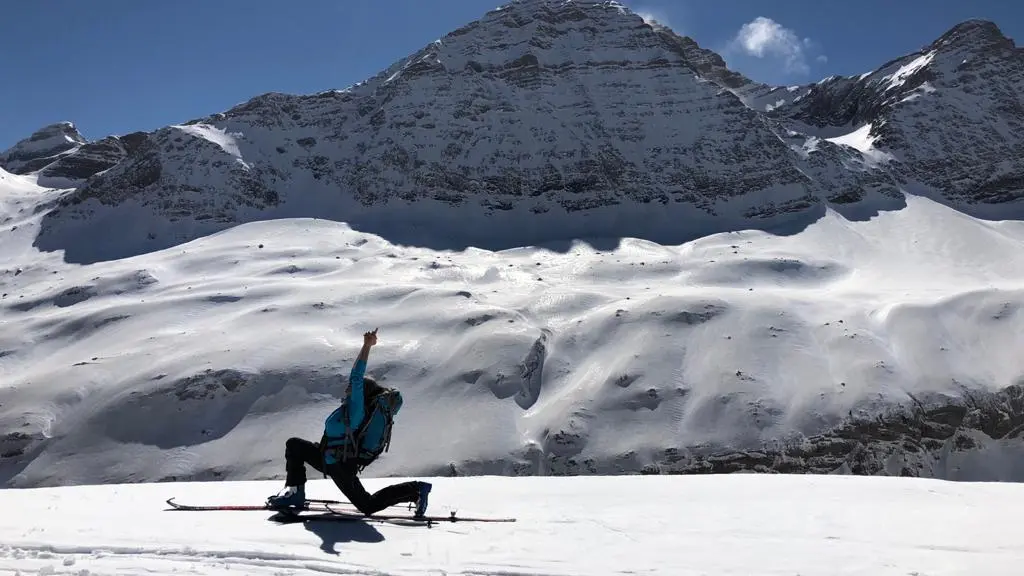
344, 451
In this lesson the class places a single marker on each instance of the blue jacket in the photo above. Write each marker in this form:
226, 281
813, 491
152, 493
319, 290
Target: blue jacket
334, 425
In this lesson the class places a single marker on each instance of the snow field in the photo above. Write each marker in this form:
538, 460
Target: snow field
672, 525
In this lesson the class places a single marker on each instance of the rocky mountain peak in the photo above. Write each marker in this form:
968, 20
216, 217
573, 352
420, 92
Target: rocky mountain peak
950, 115
526, 35
41, 148
575, 9
59, 151
518, 128
979, 34
59, 130
553, 119
709, 65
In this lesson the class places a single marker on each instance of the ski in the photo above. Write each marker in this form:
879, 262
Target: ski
319, 501
452, 517
236, 507
330, 513
289, 517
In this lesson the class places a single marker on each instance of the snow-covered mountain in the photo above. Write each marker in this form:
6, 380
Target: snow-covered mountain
542, 121
182, 311
59, 155
885, 346
950, 118
42, 148
548, 120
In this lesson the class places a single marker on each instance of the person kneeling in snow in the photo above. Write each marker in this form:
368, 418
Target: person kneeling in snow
355, 434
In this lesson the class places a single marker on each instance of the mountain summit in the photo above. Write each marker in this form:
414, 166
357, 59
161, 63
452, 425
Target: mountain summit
43, 147
549, 120
975, 34
950, 117
59, 151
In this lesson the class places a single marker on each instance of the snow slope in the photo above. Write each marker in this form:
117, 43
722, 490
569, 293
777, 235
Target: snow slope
739, 351
678, 526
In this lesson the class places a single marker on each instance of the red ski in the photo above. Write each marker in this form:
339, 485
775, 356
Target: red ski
227, 507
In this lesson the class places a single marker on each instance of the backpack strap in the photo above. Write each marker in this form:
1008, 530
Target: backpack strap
383, 404
323, 454
347, 448
383, 401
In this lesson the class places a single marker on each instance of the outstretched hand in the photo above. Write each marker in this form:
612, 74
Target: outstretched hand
369, 339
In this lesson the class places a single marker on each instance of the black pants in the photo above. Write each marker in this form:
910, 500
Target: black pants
299, 452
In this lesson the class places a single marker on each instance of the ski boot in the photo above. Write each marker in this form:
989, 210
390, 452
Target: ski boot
292, 497
421, 501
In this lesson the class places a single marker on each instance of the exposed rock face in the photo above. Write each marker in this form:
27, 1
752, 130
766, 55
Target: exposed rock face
186, 176
546, 120
934, 439
922, 440
94, 157
42, 148
949, 116
569, 109
60, 151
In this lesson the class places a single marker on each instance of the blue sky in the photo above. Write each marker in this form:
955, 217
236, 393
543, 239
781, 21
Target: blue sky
116, 66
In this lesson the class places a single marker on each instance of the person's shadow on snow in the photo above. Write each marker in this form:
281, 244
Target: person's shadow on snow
333, 532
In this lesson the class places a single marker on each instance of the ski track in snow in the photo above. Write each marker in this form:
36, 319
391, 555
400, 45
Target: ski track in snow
737, 524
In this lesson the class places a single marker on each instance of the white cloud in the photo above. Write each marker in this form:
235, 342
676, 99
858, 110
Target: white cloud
765, 38
654, 17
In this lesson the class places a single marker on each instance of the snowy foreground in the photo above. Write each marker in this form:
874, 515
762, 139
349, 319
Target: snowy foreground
679, 525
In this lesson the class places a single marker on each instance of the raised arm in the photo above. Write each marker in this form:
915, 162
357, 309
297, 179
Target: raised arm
356, 410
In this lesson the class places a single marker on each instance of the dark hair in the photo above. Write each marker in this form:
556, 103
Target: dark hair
370, 388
